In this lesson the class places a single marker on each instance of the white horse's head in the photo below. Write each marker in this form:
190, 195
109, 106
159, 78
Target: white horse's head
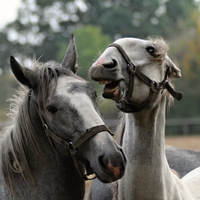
131, 69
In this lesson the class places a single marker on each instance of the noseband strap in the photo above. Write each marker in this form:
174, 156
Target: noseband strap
127, 105
72, 146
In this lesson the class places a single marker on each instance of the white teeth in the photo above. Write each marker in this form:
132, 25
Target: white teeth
104, 82
107, 82
111, 91
101, 82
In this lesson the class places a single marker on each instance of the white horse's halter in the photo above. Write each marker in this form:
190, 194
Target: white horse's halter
126, 104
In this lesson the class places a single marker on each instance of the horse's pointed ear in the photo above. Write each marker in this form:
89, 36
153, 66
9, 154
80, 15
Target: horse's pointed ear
71, 55
174, 71
24, 75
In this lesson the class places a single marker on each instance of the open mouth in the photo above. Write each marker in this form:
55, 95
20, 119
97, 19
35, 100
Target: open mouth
111, 89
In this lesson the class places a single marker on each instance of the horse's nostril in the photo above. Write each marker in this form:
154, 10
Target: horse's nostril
111, 64
102, 161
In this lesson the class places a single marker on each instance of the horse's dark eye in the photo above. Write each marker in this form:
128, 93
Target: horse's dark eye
52, 109
151, 50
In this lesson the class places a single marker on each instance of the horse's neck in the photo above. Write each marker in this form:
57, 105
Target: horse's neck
147, 170
58, 165
55, 176
145, 134
60, 170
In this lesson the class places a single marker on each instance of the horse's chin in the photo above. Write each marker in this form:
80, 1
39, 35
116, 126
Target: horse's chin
103, 180
114, 95
107, 178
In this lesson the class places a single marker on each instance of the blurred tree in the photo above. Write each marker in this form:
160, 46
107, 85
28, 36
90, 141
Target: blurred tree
140, 18
43, 24
43, 27
7, 85
91, 42
185, 48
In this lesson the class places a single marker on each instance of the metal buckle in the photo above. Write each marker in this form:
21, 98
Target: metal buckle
45, 129
154, 85
164, 83
131, 67
71, 147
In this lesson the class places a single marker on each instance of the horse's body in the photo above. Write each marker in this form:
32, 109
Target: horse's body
181, 160
55, 132
137, 74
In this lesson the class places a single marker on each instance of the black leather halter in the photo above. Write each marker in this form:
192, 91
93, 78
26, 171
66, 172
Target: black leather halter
72, 146
127, 105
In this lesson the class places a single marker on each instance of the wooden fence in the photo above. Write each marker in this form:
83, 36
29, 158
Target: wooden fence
184, 126
181, 126
187, 125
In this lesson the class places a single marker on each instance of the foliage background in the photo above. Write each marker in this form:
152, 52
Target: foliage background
42, 29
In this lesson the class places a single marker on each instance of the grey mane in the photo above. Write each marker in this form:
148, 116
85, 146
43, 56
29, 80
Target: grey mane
20, 144
161, 49
15, 151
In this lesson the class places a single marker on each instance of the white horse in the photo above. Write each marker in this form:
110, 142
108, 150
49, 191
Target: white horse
137, 76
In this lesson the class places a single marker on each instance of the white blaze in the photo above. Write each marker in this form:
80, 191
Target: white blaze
80, 101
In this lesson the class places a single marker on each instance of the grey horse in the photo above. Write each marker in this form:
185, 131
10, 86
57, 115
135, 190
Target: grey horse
116, 68
55, 133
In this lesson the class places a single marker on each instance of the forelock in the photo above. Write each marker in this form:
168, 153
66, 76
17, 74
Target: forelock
161, 48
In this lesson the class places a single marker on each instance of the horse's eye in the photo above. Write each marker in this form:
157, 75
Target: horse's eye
151, 50
52, 109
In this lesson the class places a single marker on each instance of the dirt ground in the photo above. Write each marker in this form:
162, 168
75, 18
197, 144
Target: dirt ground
190, 142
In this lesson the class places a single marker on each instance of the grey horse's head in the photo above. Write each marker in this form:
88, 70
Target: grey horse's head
65, 104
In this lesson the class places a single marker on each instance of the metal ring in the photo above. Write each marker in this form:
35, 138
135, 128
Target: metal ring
71, 146
45, 128
87, 177
154, 85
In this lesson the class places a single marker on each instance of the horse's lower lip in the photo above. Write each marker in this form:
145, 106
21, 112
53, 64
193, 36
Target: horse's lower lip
106, 177
111, 93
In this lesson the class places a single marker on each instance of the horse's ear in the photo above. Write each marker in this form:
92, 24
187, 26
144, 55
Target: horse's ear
71, 55
24, 75
174, 71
